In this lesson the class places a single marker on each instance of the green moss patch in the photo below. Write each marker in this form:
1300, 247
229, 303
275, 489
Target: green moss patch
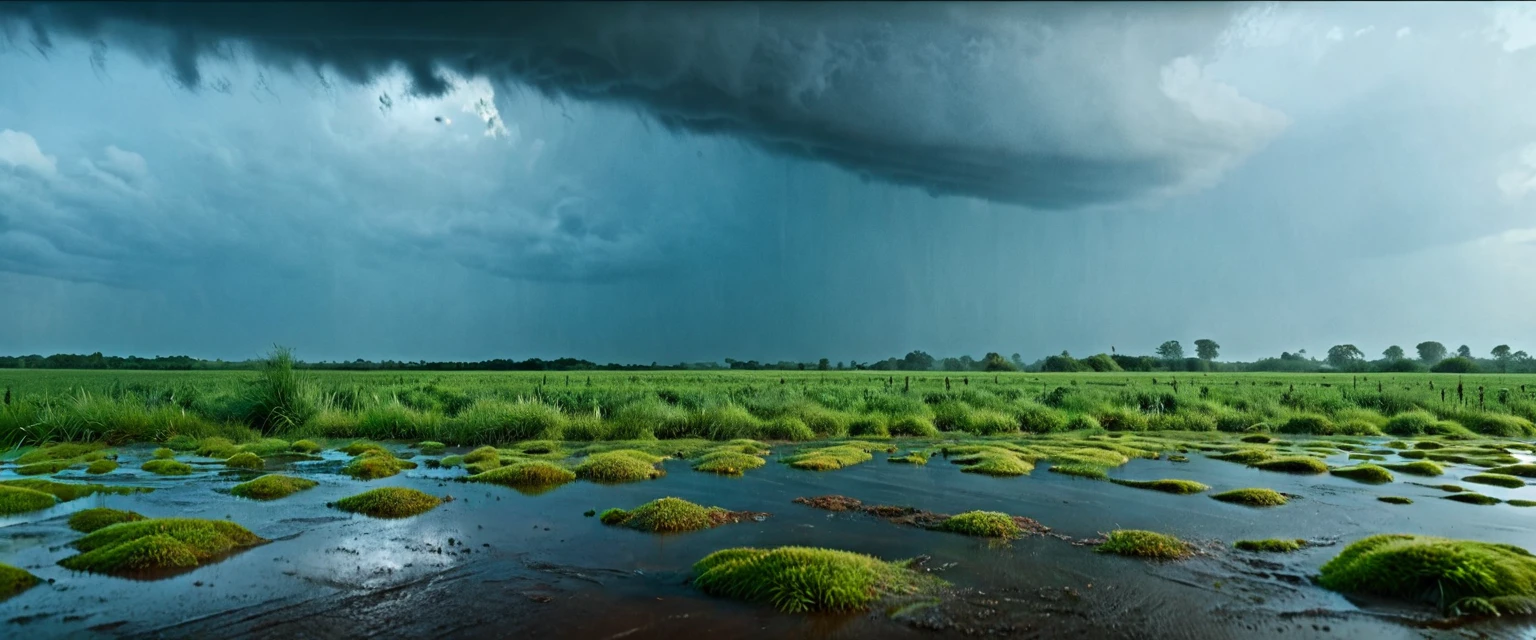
911, 457
162, 453
623, 465
727, 462
1459, 576
43, 468
13, 581
984, 524
1271, 545
1145, 544
357, 447
1257, 438
1524, 470
1473, 498
389, 502
66, 491
69, 451
15, 500
1369, 473
1293, 464
1496, 479
1416, 468
92, 519
672, 515
1521, 503
992, 460
533, 473
246, 460
158, 545
309, 447
220, 448
1081, 470
1252, 497
802, 579
1394, 499
167, 468
1246, 456
272, 487
1165, 485
373, 464
101, 466
829, 458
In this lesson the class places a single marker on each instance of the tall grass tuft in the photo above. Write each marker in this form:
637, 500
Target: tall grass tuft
279, 399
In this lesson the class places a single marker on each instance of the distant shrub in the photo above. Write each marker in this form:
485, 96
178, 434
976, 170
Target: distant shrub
1411, 423
1083, 421
1038, 418
651, 417
1123, 419
824, 422
911, 425
951, 415
869, 425
1101, 362
986, 422
1305, 423
726, 422
787, 428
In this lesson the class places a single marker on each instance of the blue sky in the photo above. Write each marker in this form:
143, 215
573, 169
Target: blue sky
766, 182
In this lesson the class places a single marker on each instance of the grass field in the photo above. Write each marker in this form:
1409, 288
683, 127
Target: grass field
498, 408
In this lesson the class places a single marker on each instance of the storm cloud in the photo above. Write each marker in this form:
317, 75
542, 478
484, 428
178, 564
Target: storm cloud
1045, 105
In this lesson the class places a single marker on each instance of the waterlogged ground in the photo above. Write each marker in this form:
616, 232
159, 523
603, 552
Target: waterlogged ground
495, 562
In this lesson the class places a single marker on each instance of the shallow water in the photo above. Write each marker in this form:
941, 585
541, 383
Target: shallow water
526, 564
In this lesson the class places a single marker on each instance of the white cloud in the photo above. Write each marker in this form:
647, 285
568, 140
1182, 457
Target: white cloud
1520, 179
1404, 32
1335, 34
1367, 29
127, 165
19, 149
1514, 26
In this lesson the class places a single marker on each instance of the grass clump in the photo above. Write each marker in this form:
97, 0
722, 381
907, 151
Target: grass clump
1524, 470
358, 447
1416, 468
667, 515
1459, 576
1252, 497
1394, 499
991, 460
1496, 479
389, 502
1081, 470
245, 460
15, 500
163, 453
983, 524
167, 468
803, 579
911, 457
1145, 544
1246, 456
375, 464
216, 447
1363, 473
533, 473
731, 463
14, 581
622, 465
431, 447
66, 491
829, 458
1293, 464
305, 446
1183, 487
101, 466
1473, 498
43, 468
161, 544
1271, 545
272, 487
68, 451
90, 520
1521, 503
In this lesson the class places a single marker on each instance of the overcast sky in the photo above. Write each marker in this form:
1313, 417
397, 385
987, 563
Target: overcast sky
787, 181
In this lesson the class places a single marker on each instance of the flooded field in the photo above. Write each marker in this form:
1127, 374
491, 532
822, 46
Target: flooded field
496, 561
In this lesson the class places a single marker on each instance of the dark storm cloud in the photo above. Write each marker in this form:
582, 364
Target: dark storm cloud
1048, 105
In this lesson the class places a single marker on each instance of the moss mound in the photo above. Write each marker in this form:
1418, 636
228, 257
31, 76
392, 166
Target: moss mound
357, 447
731, 463
90, 520
15, 500
1496, 479
14, 581
1416, 468
667, 515
389, 502
374, 464
167, 467
533, 473
623, 465
68, 451
160, 544
305, 446
43, 468
1473, 498
1145, 544
985, 524
1165, 485
162, 453
1252, 497
991, 460
220, 448
1524, 470
483, 454
245, 460
272, 487
101, 466
1271, 545
1257, 438
911, 457
1459, 576
1081, 470
829, 458
66, 491
1246, 456
431, 447
1521, 503
802, 579
1293, 464
1363, 473
1394, 499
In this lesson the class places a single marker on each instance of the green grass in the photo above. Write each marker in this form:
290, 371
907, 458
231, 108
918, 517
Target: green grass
1293, 464
1524, 470
1416, 468
1166, 485
305, 446
167, 468
90, 520
13, 581
14, 500
1459, 577
532, 473
623, 465
1473, 498
1368, 473
163, 544
1394, 499
245, 460
1521, 503
389, 502
805, 580
829, 457
272, 487
100, 467
666, 515
982, 524
1271, 545
1252, 497
67, 491
730, 463
1081, 470
1496, 479
373, 464
1145, 544
163, 453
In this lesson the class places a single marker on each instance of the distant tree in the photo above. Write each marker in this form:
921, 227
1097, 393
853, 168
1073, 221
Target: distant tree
1102, 362
1343, 355
823, 365
1457, 364
1018, 361
916, 361
1207, 349
1170, 350
996, 362
1464, 351
1064, 363
1503, 355
1430, 352
840, 366
1393, 353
